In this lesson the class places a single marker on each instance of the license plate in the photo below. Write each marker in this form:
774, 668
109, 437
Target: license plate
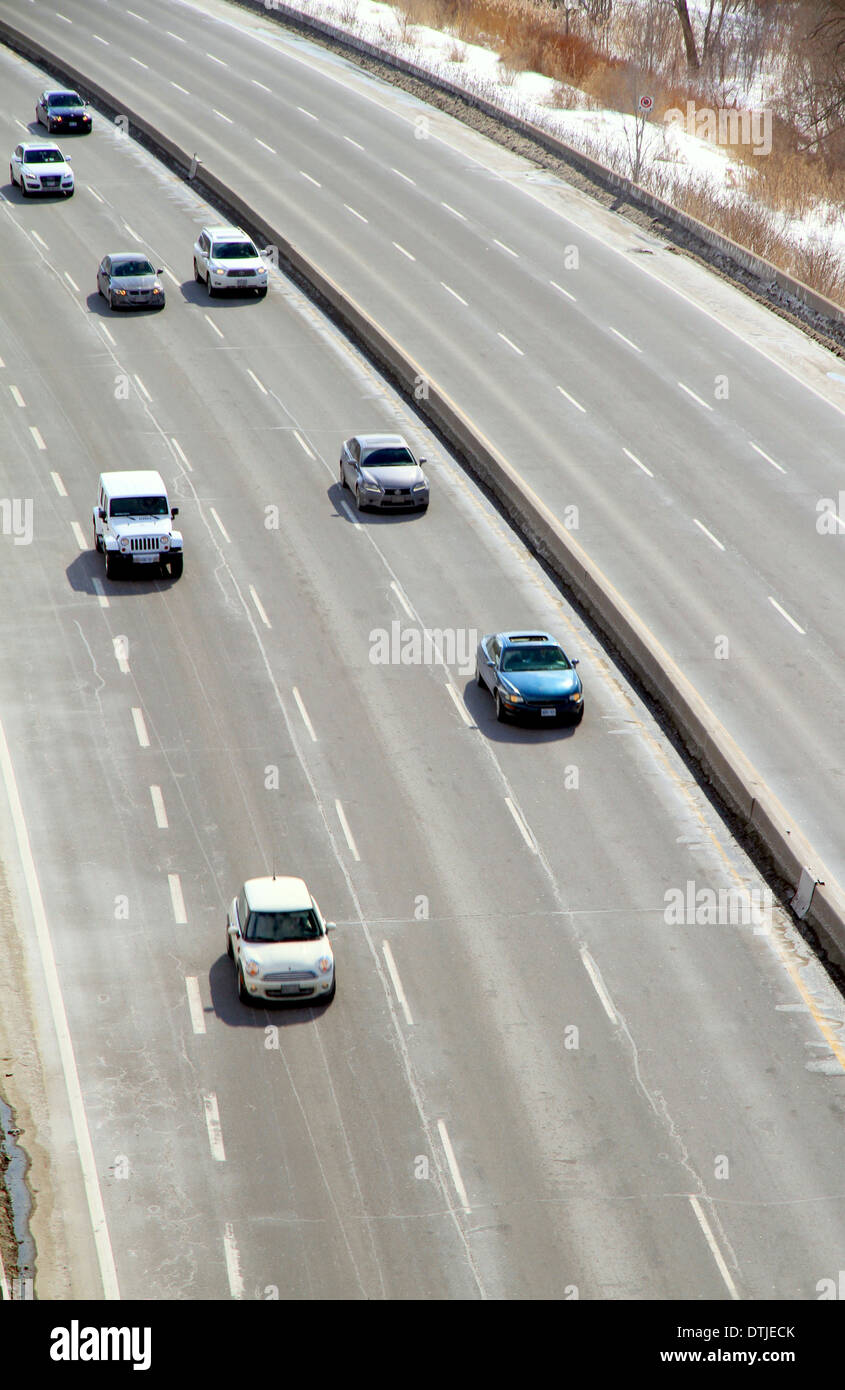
548, 713
146, 559
291, 989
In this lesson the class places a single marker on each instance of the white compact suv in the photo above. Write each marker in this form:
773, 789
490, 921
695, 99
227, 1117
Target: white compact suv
133, 524
227, 259
41, 168
279, 943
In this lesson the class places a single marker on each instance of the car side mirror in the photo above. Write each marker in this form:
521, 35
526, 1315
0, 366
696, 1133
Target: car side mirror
575, 660
331, 926
68, 159
101, 514
174, 511
160, 270
423, 460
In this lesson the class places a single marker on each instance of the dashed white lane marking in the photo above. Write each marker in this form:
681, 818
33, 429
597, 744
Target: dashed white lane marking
638, 462
459, 705
256, 83
63, 17
397, 983
556, 286
344, 825
223, 117
216, 60
315, 182
260, 384
224, 533
72, 282
696, 398
94, 194
359, 215
515, 254
233, 1262
180, 916
131, 231
139, 17
178, 37
348, 512
402, 599
192, 987
350, 141
159, 808
522, 825
572, 400
510, 344
784, 614
82, 1134
765, 456
400, 175
626, 340
453, 1165
140, 727
708, 534
454, 293
259, 606
404, 252
303, 711
302, 444
212, 1124
711, 1241
454, 211
40, 240
141, 387
598, 984
17, 397
59, 485
183, 90
102, 599
211, 322
145, 66
78, 533
106, 334
120, 646
180, 451
310, 114
36, 434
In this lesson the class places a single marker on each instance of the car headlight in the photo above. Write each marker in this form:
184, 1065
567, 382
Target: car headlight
250, 965
164, 543
512, 698
124, 545
324, 964
420, 487
157, 289
576, 697
120, 291
370, 486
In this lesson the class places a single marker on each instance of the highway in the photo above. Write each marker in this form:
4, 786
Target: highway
530, 1083
696, 436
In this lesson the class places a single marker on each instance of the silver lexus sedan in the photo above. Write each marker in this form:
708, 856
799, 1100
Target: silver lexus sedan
382, 472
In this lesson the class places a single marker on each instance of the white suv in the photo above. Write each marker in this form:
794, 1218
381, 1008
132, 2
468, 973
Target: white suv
41, 168
227, 259
133, 524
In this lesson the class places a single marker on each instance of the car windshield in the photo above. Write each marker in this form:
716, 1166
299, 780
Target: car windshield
301, 925
65, 99
234, 251
43, 157
535, 659
386, 458
139, 506
132, 268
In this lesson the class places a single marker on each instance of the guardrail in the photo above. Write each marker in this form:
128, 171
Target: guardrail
818, 898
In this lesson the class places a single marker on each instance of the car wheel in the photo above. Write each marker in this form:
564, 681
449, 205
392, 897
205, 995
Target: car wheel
327, 998
342, 476
69, 193
23, 188
177, 563
112, 304
197, 275
479, 679
261, 293
209, 286
98, 544
112, 564
244, 995
358, 503
500, 709
579, 716
229, 951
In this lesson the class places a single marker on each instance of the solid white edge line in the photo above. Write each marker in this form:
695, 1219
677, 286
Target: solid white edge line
140, 727
303, 711
180, 916
260, 606
85, 1150
159, 807
192, 987
212, 1124
598, 985
453, 1165
233, 1262
522, 825
708, 534
784, 614
397, 983
715, 1251
344, 824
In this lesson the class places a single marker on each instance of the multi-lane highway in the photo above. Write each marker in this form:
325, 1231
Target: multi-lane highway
531, 1083
696, 436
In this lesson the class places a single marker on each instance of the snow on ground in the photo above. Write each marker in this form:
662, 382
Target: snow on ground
668, 150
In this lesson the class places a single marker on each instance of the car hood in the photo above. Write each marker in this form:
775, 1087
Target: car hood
140, 525
135, 282
275, 956
46, 167
542, 685
394, 475
239, 262
66, 110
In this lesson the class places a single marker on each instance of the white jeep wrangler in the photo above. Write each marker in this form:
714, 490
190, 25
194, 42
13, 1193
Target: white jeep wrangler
133, 524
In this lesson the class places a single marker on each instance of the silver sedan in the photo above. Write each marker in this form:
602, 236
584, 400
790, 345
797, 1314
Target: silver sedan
382, 472
127, 280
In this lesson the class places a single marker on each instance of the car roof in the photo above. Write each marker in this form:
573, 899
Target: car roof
40, 145
118, 256
277, 894
381, 441
62, 92
132, 483
233, 233
525, 637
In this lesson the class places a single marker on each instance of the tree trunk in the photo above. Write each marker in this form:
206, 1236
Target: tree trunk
693, 62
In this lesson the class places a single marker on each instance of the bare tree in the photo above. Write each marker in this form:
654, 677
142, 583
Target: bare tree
703, 38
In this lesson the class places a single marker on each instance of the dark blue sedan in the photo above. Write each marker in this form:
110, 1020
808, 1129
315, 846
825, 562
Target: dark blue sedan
529, 674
